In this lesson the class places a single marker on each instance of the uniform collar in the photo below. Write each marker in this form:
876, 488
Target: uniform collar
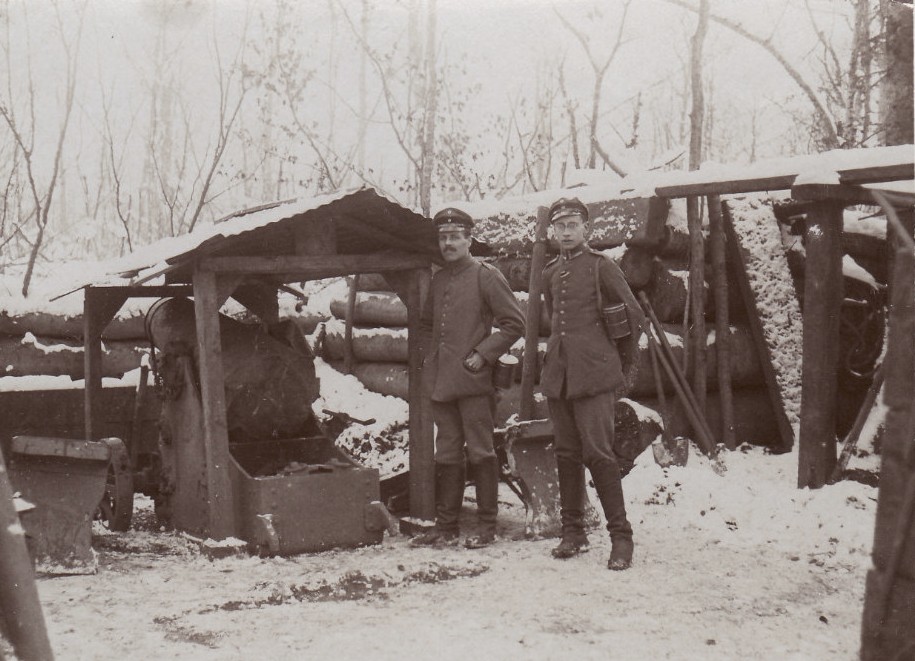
459, 265
568, 255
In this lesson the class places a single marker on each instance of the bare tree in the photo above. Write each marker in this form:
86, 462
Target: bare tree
896, 96
409, 89
24, 128
600, 68
830, 138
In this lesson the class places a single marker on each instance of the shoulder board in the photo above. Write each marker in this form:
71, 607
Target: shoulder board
551, 262
487, 265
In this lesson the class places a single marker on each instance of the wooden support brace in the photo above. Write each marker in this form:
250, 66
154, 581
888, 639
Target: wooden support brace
823, 292
697, 334
99, 308
220, 505
422, 461
722, 323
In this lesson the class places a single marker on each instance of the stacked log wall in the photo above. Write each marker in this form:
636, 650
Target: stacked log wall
49, 344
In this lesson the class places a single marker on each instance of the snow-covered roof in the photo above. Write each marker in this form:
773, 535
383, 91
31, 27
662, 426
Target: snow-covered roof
365, 221
628, 209
836, 166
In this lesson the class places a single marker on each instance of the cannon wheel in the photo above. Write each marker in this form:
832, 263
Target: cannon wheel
116, 507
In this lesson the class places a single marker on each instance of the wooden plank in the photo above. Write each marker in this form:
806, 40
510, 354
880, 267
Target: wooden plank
220, 504
822, 301
532, 317
149, 291
316, 267
722, 324
99, 308
851, 194
422, 459
315, 236
697, 335
20, 606
705, 184
889, 599
739, 260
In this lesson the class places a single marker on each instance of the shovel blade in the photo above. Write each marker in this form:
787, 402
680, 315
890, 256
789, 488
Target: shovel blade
65, 480
670, 452
532, 466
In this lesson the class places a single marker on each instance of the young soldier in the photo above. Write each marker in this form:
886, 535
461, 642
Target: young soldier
466, 299
582, 372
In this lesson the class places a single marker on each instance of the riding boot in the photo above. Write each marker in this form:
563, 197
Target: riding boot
486, 477
607, 482
571, 508
449, 495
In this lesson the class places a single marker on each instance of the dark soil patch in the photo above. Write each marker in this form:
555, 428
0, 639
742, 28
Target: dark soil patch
354, 586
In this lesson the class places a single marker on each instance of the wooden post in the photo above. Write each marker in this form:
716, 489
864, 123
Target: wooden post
20, 607
422, 457
532, 316
697, 336
822, 302
99, 307
348, 358
722, 322
889, 598
220, 505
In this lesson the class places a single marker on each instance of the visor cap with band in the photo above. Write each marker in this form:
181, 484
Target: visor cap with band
451, 219
568, 206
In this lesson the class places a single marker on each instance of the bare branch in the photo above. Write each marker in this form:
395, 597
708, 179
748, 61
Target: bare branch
831, 138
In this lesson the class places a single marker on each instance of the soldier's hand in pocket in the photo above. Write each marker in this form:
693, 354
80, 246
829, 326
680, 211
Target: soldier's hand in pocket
474, 362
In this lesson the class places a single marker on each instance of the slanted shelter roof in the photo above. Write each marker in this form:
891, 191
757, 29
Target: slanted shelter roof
363, 220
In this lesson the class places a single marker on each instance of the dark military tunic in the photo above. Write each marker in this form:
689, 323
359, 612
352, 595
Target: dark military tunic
581, 360
466, 299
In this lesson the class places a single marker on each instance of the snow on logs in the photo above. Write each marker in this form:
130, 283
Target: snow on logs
53, 356
50, 342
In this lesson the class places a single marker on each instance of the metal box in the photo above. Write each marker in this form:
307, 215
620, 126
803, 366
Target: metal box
303, 494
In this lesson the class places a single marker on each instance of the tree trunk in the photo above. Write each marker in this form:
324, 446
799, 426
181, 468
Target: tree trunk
896, 104
431, 102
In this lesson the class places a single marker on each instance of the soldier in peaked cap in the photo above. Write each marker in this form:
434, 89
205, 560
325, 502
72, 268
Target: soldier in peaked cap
466, 300
582, 373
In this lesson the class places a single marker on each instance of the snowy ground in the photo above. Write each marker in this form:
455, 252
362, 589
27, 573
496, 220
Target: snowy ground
740, 565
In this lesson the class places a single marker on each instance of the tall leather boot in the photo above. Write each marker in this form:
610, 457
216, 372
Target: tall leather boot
571, 509
449, 495
607, 482
486, 477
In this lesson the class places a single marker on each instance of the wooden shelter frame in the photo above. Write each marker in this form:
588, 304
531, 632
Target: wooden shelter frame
823, 288
253, 281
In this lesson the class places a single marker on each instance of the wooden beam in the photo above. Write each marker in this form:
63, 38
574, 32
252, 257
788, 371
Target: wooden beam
697, 335
99, 308
889, 597
823, 290
851, 194
139, 291
316, 267
20, 606
220, 505
422, 459
704, 184
722, 323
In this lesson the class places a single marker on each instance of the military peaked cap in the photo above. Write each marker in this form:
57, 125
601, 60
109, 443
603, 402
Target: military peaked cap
568, 206
452, 216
